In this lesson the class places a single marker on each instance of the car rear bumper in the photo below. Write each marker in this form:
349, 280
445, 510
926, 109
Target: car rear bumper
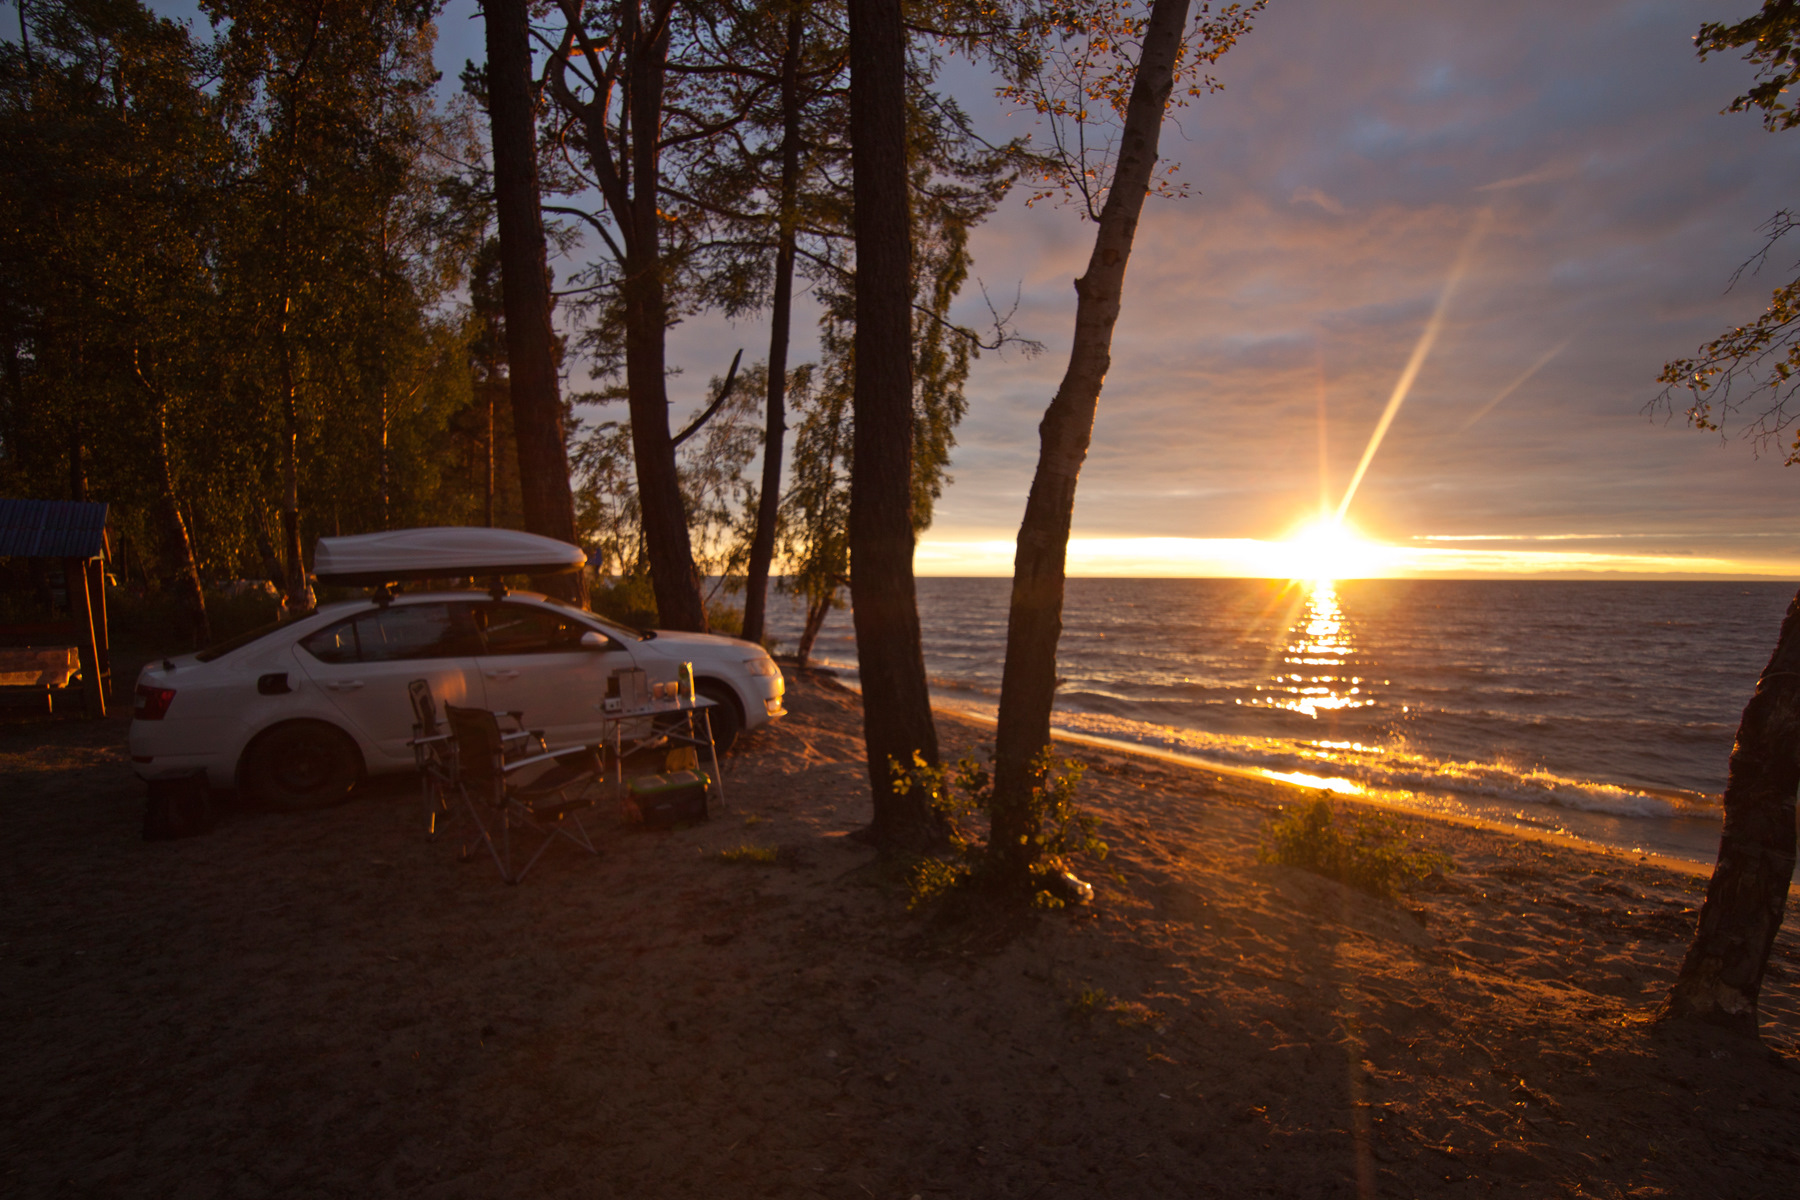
180, 766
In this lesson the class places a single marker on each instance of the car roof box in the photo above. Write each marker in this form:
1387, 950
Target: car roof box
445, 552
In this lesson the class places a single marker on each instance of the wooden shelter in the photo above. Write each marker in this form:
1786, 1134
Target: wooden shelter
75, 533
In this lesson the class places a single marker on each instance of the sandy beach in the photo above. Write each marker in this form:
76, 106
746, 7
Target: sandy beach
329, 1004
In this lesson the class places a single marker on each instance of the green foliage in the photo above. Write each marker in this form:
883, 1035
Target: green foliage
1774, 50
717, 489
814, 535
220, 248
1074, 66
750, 855
1369, 852
627, 599
1088, 1001
1758, 363
962, 796
724, 618
256, 250
155, 622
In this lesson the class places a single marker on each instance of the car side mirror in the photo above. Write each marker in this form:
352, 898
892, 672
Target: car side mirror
593, 641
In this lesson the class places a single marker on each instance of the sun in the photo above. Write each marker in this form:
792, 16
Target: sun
1325, 549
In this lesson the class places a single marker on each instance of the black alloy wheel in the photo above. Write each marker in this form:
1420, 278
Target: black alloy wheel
727, 720
301, 765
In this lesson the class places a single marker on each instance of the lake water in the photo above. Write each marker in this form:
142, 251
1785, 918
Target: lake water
1602, 709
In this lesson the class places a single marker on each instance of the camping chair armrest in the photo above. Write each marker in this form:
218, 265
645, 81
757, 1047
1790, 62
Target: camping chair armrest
550, 756
426, 741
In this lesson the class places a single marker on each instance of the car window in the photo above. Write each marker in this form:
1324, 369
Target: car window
620, 631
527, 629
334, 643
407, 631
221, 649
400, 633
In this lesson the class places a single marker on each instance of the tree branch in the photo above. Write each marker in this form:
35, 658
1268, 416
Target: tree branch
724, 394
592, 221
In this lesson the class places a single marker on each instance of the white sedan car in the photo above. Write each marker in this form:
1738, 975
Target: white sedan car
296, 712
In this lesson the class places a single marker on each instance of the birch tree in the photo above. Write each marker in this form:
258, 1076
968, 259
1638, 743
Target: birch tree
1102, 75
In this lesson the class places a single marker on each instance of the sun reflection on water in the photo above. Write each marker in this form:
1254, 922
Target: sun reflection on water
1315, 674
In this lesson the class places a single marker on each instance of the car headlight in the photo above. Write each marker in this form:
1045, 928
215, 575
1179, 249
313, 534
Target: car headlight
762, 664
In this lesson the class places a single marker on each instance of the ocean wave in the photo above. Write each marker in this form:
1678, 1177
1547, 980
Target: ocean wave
1391, 769
1395, 770
1546, 699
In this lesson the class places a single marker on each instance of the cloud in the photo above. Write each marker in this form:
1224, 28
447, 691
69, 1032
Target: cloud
1312, 195
1258, 344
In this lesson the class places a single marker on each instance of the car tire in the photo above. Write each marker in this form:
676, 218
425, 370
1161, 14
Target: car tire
726, 717
300, 765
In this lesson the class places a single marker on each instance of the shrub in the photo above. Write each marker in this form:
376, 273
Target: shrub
1372, 854
962, 796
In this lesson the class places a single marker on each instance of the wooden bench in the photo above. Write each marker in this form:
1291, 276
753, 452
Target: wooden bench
37, 661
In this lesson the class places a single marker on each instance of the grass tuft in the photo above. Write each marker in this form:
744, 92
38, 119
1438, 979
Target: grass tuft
749, 855
1092, 1002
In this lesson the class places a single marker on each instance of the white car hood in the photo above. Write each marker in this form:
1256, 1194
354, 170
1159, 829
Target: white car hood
706, 645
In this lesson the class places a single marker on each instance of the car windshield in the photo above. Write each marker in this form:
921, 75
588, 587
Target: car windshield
631, 631
221, 649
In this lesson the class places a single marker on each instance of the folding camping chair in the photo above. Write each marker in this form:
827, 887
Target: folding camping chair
434, 752
542, 792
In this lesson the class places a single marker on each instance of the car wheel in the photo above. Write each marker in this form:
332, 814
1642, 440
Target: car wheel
727, 720
301, 765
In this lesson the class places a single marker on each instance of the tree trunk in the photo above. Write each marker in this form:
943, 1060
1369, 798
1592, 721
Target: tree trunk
547, 503
768, 507
896, 706
382, 416
177, 548
816, 612
664, 515
488, 496
294, 583
1034, 624
1722, 974
264, 547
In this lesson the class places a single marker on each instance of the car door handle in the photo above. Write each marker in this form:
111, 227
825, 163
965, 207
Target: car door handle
345, 685
502, 674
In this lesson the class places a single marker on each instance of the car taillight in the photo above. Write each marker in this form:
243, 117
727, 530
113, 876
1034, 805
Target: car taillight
153, 702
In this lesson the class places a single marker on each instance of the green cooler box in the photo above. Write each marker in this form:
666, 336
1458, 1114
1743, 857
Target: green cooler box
673, 798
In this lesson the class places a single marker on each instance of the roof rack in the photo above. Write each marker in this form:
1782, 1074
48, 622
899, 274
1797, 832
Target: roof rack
380, 560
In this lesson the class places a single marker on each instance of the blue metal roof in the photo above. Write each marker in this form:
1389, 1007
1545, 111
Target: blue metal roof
51, 529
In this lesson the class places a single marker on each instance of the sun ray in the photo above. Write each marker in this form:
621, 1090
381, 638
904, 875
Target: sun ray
1517, 383
1420, 351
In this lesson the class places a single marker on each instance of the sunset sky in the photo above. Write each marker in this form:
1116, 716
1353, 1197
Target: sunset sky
1352, 152
1355, 149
